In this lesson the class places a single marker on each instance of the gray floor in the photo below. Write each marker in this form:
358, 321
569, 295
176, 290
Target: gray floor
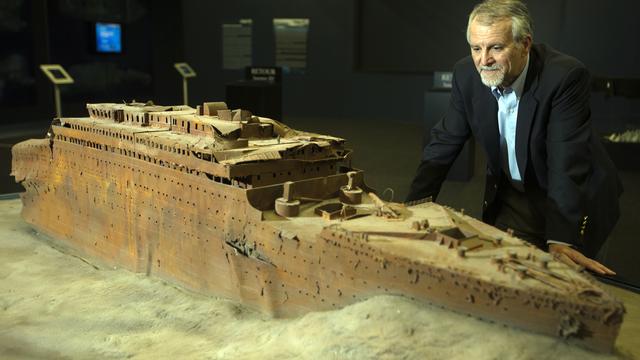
389, 151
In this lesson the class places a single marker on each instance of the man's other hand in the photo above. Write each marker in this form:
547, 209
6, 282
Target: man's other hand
574, 258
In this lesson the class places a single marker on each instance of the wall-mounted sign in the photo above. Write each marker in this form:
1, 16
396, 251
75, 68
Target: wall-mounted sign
291, 44
442, 80
236, 44
263, 73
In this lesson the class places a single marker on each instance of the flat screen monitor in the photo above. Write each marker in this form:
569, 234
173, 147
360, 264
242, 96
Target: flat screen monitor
108, 38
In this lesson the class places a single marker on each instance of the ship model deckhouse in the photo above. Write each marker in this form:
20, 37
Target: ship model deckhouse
231, 204
229, 146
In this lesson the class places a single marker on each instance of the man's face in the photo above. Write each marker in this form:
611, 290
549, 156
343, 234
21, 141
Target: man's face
497, 57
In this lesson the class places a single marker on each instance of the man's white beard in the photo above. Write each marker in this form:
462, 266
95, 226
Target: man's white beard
492, 75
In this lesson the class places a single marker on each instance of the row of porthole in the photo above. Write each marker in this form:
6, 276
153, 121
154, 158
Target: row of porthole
157, 176
138, 140
289, 174
140, 171
184, 218
166, 164
117, 135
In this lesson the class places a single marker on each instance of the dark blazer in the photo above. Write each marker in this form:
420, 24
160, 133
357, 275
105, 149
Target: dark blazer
555, 144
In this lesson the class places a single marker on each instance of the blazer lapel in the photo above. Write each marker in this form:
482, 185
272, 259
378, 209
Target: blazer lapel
526, 113
486, 115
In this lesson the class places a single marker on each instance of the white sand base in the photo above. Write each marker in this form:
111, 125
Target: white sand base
54, 305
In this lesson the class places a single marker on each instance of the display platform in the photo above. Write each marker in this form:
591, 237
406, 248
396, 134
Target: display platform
57, 304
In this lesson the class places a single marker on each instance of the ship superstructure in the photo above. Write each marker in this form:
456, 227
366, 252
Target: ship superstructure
240, 206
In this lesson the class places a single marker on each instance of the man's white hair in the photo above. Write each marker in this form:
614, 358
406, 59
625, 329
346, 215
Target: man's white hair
489, 12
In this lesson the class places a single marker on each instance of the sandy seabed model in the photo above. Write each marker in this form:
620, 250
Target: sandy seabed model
243, 207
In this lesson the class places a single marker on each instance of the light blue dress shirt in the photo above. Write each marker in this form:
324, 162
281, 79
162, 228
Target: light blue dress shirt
508, 102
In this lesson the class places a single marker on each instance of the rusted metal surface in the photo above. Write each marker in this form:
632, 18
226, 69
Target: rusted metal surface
239, 206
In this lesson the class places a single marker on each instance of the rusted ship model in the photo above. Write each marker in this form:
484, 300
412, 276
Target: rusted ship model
239, 206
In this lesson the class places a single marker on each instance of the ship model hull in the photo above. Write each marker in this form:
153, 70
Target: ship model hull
218, 238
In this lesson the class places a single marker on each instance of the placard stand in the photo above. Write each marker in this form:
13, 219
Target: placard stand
186, 72
58, 76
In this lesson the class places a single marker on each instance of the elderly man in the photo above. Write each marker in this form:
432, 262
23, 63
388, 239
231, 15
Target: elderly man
548, 177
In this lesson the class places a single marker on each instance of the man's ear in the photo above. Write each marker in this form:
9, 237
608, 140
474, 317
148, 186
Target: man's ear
526, 43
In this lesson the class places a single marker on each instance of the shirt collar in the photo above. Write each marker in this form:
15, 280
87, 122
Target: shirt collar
518, 84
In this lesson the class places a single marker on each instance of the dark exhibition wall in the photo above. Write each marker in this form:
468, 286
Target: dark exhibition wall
35, 32
366, 59
331, 85
374, 58
62, 32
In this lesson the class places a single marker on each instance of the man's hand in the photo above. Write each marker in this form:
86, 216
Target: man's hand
574, 258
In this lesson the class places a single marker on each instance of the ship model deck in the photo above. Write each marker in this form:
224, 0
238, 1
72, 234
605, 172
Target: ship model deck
243, 207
